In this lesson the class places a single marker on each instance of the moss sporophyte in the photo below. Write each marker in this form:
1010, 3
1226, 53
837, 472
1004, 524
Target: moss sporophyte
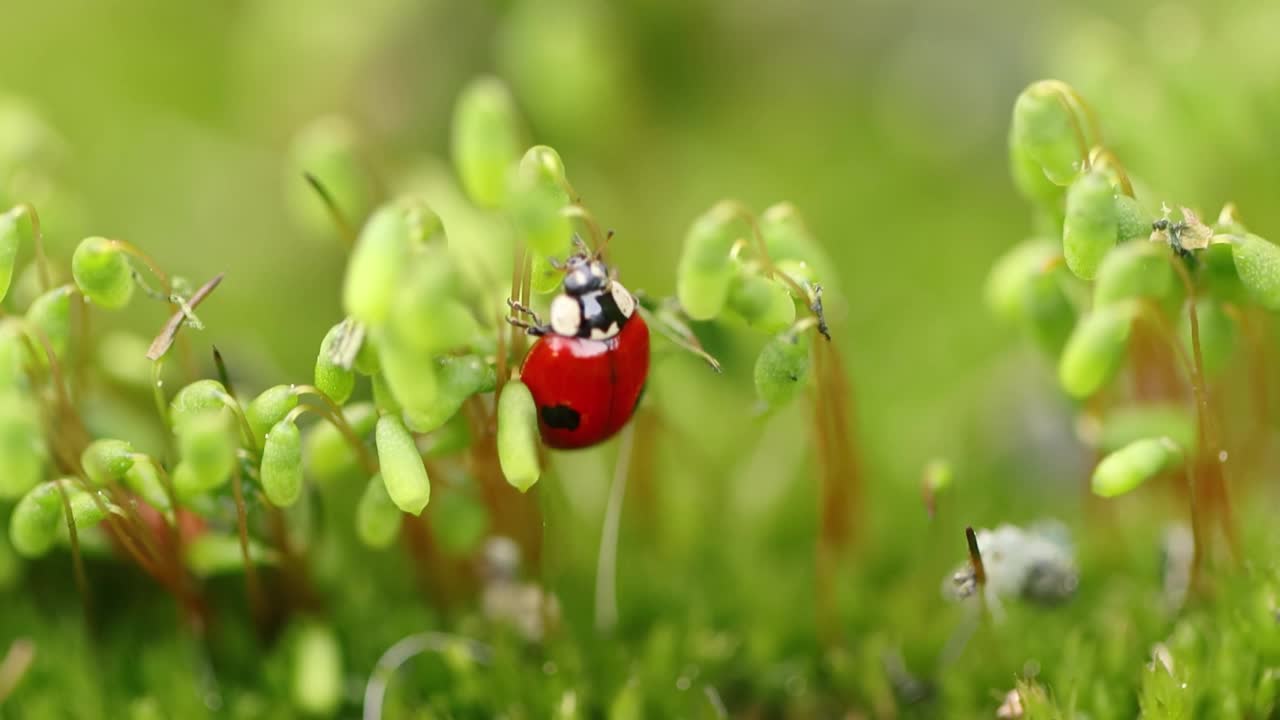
417, 395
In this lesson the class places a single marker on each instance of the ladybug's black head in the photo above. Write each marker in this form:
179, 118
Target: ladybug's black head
585, 274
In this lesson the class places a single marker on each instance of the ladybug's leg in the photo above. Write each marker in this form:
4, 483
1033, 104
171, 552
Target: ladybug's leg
534, 328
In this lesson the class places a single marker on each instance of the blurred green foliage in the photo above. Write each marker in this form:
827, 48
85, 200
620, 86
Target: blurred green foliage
885, 123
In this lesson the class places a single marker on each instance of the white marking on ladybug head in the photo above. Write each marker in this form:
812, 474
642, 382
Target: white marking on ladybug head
623, 299
566, 315
598, 334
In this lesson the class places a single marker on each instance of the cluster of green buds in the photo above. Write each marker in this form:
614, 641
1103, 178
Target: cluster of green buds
761, 273
1110, 266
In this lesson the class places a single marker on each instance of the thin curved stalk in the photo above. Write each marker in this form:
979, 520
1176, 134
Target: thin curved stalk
375, 690
607, 560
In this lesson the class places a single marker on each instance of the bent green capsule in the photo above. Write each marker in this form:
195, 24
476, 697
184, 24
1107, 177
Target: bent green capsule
1091, 225
10, 240
144, 479
331, 378
458, 378
410, 375
102, 272
376, 266
207, 450
1258, 265
377, 517
281, 470
37, 517
426, 317
1046, 127
1005, 290
763, 303
215, 553
1134, 464
485, 140
13, 353
328, 150
22, 447
1029, 178
1132, 221
518, 437
537, 199
706, 270
326, 452
50, 314
106, 461
317, 685
403, 473
1136, 269
787, 238
1127, 424
198, 398
782, 368
1096, 349
269, 408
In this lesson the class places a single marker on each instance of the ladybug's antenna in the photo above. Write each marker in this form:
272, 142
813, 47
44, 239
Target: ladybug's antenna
580, 246
599, 253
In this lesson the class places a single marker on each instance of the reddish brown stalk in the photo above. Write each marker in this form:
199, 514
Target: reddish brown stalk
1210, 448
975, 557
253, 584
512, 513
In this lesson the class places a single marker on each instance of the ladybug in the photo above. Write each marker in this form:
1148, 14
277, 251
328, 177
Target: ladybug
588, 368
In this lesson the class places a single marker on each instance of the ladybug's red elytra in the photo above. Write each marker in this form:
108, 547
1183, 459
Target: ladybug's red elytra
588, 368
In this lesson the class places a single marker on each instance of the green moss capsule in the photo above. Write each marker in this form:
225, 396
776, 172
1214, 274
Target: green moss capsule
328, 150
1134, 464
458, 378
377, 517
1030, 180
485, 140
763, 303
207, 450
102, 272
1005, 290
403, 473
518, 436
10, 241
1091, 225
281, 470
1046, 128
269, 408
410, 376
782, 368
144, 479
1135, 269
788, 239
14, 353
198, 398
426, 317
214, 553
107, 461
1218, 334
50, 314
376, 266
1127, 424
317, 684
122, 357
706, 270
1258, 265
326, 453
1096, 349
22, 447
536, 200
1132, 221
331, 378
37, 517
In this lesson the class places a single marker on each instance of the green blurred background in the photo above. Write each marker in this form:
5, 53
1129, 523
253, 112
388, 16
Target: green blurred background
884, 122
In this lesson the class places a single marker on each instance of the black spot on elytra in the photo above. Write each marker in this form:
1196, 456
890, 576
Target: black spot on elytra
561, 417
